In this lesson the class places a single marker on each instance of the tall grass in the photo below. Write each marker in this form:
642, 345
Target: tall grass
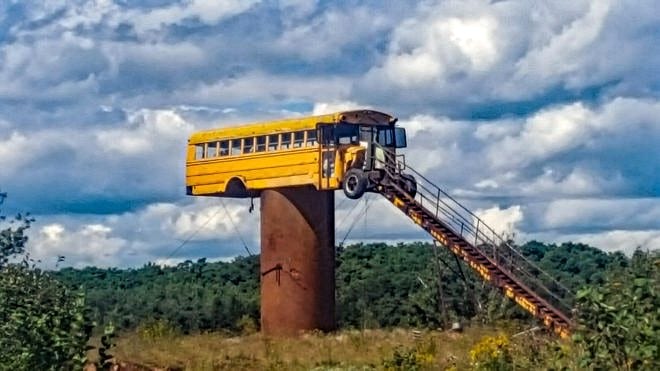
345, 350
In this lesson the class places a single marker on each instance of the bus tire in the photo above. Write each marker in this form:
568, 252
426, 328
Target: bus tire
409, 184
355, 184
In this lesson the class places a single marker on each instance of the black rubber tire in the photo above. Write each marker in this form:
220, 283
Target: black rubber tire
409, 184
354, 184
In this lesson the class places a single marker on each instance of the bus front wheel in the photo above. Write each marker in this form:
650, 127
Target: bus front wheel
355, 183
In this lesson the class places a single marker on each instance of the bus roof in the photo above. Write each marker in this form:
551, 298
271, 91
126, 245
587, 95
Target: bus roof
292, 124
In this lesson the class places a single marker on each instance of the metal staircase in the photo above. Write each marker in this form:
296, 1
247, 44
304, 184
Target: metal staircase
469, 238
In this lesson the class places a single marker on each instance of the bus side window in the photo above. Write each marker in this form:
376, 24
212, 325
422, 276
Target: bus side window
235, 147
273, 142
224, 148
298, 139
199, 151
261, 144
211, 149
286, 141
248, 145
311, 138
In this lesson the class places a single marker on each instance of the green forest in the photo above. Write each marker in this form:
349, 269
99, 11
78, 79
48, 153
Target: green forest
378, 285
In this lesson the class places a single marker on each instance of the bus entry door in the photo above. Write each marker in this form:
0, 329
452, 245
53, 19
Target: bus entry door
328, 154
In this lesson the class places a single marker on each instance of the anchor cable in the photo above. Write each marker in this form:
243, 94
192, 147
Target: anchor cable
231, 220
193, 234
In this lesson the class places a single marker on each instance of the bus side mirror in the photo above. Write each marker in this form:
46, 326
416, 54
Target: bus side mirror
400, 138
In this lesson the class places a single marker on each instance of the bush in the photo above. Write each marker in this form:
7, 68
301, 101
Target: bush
420, 357
619, 321
44, 324
492, 353
156, 329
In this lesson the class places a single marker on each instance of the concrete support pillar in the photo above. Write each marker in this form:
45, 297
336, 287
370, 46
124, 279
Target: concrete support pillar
297, 261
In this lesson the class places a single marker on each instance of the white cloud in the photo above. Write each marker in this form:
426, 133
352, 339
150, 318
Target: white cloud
632, 213
502, 221
160, 232
579, 181
207, 11
140, 158
433, 46
322, 108
148, 133
11, 152
258, 86
560, 55
91, 244
298, 8
450, 55
332, 32
543, 135
97, 98
622, 240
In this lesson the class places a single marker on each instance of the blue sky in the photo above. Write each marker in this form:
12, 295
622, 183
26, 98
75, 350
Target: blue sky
543, 117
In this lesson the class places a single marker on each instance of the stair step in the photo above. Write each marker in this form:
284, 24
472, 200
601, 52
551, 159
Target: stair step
504, 274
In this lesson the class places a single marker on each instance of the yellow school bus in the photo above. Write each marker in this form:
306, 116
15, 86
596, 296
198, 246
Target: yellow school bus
347, 150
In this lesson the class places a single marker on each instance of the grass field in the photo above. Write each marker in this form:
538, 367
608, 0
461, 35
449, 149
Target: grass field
344, 350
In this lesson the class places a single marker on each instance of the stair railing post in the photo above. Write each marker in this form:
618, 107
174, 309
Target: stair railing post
476, 233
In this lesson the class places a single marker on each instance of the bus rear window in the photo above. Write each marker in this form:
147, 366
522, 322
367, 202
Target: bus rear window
199, 151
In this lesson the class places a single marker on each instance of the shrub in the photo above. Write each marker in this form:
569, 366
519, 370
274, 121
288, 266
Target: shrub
419, 357
619, 321
492, 353
44, 324
156, 329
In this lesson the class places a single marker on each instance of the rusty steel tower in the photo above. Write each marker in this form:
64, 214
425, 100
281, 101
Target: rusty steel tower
297, 260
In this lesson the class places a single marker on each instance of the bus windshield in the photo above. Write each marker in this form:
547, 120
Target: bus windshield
385, 137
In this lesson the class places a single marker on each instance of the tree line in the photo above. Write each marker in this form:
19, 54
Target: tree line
378, 285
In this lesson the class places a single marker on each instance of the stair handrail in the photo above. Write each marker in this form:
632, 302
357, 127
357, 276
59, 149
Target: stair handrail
498, 245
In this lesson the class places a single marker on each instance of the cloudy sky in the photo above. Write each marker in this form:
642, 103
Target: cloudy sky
542, 116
